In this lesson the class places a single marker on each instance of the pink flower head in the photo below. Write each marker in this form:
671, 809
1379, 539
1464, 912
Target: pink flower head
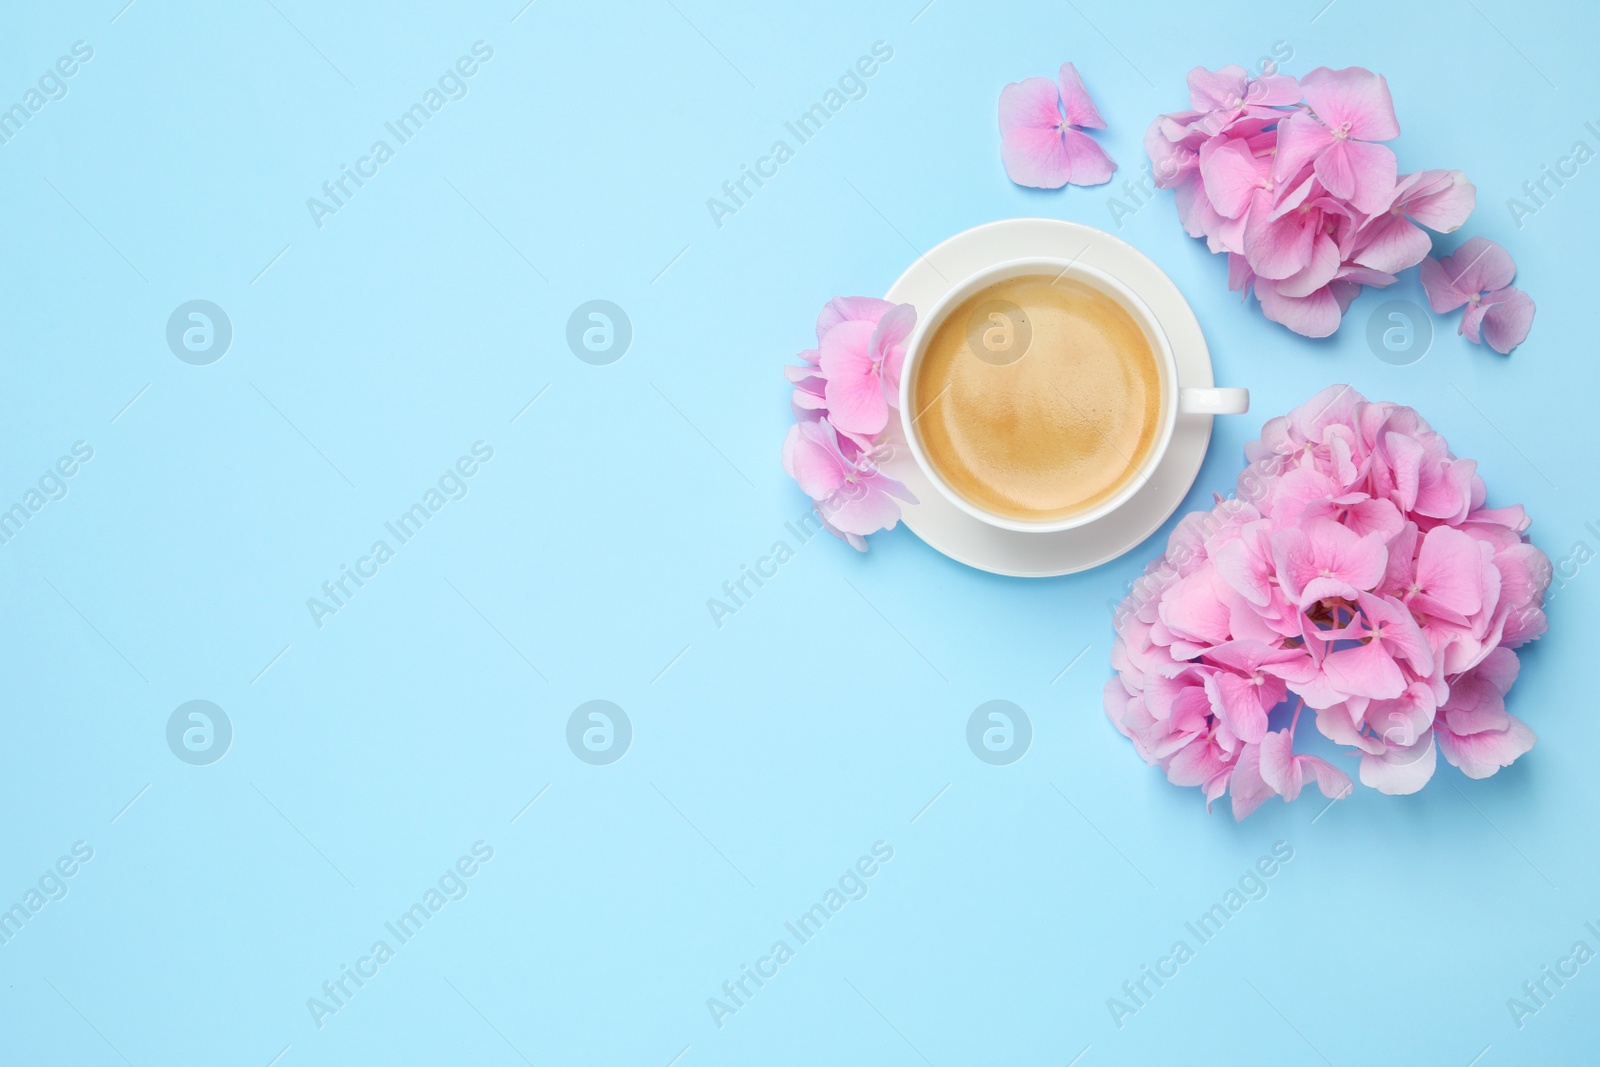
1361, 575
1288, 179
1042, 149
844, 390
1350, 109
1479, 276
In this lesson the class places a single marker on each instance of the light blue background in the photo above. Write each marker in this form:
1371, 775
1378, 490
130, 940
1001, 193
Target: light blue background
770, 753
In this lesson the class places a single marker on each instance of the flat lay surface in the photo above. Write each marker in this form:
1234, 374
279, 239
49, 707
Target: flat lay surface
418, 653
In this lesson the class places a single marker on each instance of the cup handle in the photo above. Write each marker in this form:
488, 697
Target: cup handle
1192, 401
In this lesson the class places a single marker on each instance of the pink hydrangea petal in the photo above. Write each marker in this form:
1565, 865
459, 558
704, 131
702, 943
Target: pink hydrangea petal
810, 461
1075, 100
1035, 158
847, 309
1322, 268
1482, 754
1248, 789
1301, 139
1442, 200
1401, 769
1355, 97
855, 392
1315, 315
1232, 174
1281, 248
1361, 173
1212, 90
1508, 319
1087, 162
1478, 266
1031, 124
1448, 571
1274, 90
1472, 322
1367, 670
1393, 243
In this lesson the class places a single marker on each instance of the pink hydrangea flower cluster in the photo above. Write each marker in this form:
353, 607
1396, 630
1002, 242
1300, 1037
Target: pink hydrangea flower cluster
1290, 178
1357, 571
844, 395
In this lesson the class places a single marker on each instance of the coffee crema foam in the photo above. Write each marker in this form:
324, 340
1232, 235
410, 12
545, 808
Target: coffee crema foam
1054, 432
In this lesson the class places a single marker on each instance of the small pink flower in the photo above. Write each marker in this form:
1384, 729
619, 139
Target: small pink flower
860, 363
1042, 149
844, 390
1350, 109
1479, 275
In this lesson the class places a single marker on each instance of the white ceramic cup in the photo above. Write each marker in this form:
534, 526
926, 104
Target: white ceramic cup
1175, 400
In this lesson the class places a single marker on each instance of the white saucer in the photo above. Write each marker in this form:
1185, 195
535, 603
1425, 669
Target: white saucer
963, 538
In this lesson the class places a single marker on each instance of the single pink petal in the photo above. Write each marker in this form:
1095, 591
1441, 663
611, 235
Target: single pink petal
1282, 247
1334, 783
1030, 134
1075, 100
1401, 769
1366, 671
1248, 788
1482, 754
1508, 320
1232, 174
1448, 572
1217, 90
1301, 139
1443, 295
1353, 101
1195, 763
1274, 90
857, 402
888, 346
1472, 322
811, 461
1237, 702
847, 309
1322, 268
1441, 200
1478, 266
1279, 768
1393, 243
1360, 172
1035, 158
1087, 162
1316, 315
1193, 609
